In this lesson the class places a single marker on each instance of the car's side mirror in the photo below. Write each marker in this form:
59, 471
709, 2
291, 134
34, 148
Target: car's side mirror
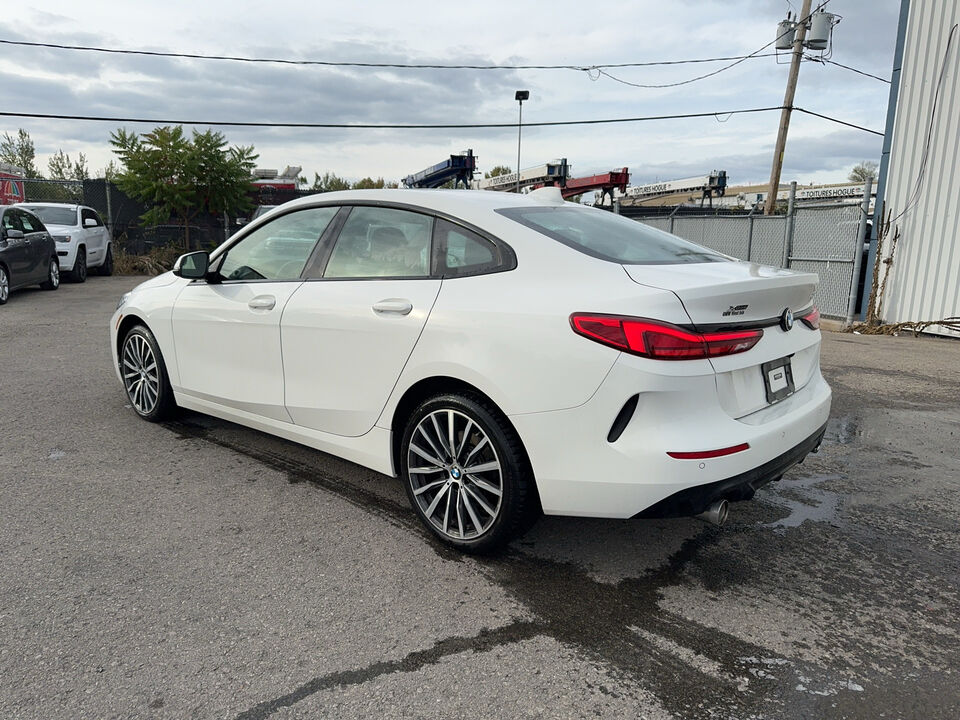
14, 234
192, 265
89, 222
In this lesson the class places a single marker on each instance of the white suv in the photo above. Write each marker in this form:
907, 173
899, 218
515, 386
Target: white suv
82, 240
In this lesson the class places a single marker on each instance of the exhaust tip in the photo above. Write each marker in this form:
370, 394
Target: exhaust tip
716, 514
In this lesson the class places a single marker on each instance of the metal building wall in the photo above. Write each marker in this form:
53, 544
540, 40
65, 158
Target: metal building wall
924, 282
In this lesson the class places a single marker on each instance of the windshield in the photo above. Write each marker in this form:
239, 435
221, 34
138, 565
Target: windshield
54, 215
605, 235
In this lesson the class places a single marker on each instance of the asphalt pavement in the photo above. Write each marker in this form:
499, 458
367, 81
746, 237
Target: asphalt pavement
198, 569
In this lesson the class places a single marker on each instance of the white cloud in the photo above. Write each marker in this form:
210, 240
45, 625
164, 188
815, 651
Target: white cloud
561, 32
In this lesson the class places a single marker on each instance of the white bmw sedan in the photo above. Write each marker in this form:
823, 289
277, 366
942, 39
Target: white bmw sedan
503, 354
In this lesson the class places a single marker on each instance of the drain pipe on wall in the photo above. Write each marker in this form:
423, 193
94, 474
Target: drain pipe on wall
885, 154
858, 251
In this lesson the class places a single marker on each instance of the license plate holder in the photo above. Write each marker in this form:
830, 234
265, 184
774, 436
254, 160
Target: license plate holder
777, 379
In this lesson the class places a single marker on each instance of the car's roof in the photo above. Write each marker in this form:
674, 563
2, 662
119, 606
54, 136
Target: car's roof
72, 206
454, 202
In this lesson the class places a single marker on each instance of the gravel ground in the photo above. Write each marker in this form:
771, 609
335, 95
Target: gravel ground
198, 569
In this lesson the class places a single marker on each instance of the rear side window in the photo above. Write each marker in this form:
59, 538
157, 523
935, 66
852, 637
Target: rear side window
30, 222
11, 221
464, 252
382, 242
605, 235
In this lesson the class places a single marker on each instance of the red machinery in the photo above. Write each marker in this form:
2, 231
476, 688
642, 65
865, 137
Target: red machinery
606, 183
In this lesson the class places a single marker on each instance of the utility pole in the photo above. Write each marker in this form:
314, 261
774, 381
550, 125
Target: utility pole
771, 203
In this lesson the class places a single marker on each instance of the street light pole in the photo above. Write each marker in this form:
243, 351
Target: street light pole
520, 97
771, 203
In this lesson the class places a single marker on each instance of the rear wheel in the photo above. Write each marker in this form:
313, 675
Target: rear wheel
79, 272
107, 267
145, 375
53, 275
4, 285
466, 474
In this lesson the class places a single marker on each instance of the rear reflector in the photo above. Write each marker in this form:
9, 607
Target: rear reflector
709, 453
811, 318
661, 341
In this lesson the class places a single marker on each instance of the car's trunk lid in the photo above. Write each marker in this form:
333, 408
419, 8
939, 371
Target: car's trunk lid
729, 293
739, 294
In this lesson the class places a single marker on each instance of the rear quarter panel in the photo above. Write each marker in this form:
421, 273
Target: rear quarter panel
509, 333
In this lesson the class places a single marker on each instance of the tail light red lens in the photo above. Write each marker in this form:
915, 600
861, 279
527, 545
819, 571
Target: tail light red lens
811, 319
661, 341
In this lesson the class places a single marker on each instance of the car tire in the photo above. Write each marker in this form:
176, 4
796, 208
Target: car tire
4, 285
479, 511
79, 272
149, 393
53, 275
106, 269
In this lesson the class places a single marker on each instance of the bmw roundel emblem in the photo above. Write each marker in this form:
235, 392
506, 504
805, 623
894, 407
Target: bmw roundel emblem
786, 320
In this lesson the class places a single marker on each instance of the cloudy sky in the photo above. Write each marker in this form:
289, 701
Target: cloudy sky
492, 32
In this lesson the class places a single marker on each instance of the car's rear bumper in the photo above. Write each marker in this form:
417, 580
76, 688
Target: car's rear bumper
697, 499
579, 472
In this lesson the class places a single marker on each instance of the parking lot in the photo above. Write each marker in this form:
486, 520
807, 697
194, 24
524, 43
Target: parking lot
200, 569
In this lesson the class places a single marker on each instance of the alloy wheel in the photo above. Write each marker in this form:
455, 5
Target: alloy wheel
54, 275
141, 375
455, 474
4, 286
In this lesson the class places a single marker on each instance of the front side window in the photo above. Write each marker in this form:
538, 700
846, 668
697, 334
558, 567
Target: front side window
278, 250
605, 235
382, 242
88, 214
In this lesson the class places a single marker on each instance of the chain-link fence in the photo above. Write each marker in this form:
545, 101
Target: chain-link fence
821, 239
123, 215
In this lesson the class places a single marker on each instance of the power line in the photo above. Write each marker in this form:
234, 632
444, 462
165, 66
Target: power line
373, 126
853, 69
755, 53
337, 63
717, 115
838, 121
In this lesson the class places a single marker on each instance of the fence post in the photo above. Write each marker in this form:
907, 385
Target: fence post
788, 231
106, 184
750, 232
858, 250
675, 209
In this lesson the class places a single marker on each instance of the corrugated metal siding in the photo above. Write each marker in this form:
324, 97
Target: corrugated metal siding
925, 279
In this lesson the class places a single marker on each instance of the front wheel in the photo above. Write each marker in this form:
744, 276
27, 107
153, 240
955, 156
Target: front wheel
145, 375
4, 285
79, 272
106, 268
53, 276
466, 473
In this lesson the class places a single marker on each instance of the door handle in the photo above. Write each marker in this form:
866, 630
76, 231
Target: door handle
262, 302
393, 306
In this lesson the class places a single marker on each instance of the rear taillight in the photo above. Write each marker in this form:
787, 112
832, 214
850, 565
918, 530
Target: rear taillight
811, 318
661, 341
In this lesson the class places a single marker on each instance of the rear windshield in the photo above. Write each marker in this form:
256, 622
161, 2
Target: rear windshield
608, 236
54, 215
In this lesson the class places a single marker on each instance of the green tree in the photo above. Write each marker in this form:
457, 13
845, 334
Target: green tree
369, 183
110, 171
863, 170
183, 177
19, 150
497, 170
330, 182
61, 167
